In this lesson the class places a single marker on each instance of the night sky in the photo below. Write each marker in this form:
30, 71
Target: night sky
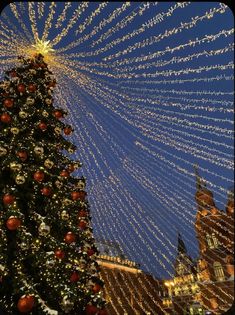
149, 90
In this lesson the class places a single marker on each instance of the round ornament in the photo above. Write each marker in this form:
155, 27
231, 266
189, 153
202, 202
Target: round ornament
20, 179
32, 87
48, 163
8, 102
45, 113
22, 155
96, 288
8, 199
64, 215
48, 101
69, 238
15, 166
82, 225
59, 254
58, 114
21, 88
46, 191
58, 184
68, 130
42, 126
5, 118
91, 309
64, 173
44, 229
38, 176
3, 151
57, 130
74, 277
30, 100
38, 150
26, 303
75, 195
13, 223
23, 114
50, 263
15, 130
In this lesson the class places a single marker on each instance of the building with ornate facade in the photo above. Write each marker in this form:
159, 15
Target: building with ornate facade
200, 287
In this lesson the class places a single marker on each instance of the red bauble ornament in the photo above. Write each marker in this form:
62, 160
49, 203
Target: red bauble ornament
13, 223
64, 173
74, 277
46, 191
96, 288
75, 195
6, 118
8, 102
67, 131
8, 199
32, 87
58, 114
42, 126
22, 155
21, 88
91, 310
38, 176
90, 252
82, 225
82, 214
25, 304
69, 238
59, 254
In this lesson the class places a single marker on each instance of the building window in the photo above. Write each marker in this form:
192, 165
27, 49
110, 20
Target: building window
215, 240
212, 240
219, 273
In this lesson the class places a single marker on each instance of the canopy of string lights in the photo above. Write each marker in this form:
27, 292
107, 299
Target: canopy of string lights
149, 91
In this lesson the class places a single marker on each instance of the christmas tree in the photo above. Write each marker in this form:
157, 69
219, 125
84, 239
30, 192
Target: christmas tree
47, 251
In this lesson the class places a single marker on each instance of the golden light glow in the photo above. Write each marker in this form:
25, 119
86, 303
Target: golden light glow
43, 47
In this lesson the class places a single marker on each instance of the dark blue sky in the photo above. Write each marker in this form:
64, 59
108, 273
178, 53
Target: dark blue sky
138, 138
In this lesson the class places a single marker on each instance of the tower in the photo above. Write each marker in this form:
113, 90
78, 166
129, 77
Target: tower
214, 231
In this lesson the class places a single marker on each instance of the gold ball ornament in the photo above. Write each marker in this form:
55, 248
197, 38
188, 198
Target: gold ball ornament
3, 151
48, 163
57, 130
64, 215
44, 229
45, 113
30, 100
15, 130
48, 101
15, 166
20, 179
38, 150
58, 184
23, 114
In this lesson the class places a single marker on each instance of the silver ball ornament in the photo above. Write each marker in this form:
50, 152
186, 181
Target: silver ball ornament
15, 130
64, 215
3, 151
23, 114
48, 163
30, 100
38, 150
20, 179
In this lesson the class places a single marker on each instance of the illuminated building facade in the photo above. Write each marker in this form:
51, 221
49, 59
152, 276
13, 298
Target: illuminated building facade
215, 233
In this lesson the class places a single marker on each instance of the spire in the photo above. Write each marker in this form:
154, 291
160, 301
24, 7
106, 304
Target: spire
181, 245
199, 181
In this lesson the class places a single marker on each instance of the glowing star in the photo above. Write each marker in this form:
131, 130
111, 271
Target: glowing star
43, 47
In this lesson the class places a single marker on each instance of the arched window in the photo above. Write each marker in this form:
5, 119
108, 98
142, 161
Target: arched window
209, 241
218, 270
212, 240
215, 240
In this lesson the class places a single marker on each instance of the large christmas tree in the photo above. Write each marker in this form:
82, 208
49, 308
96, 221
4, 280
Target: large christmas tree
47, 252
